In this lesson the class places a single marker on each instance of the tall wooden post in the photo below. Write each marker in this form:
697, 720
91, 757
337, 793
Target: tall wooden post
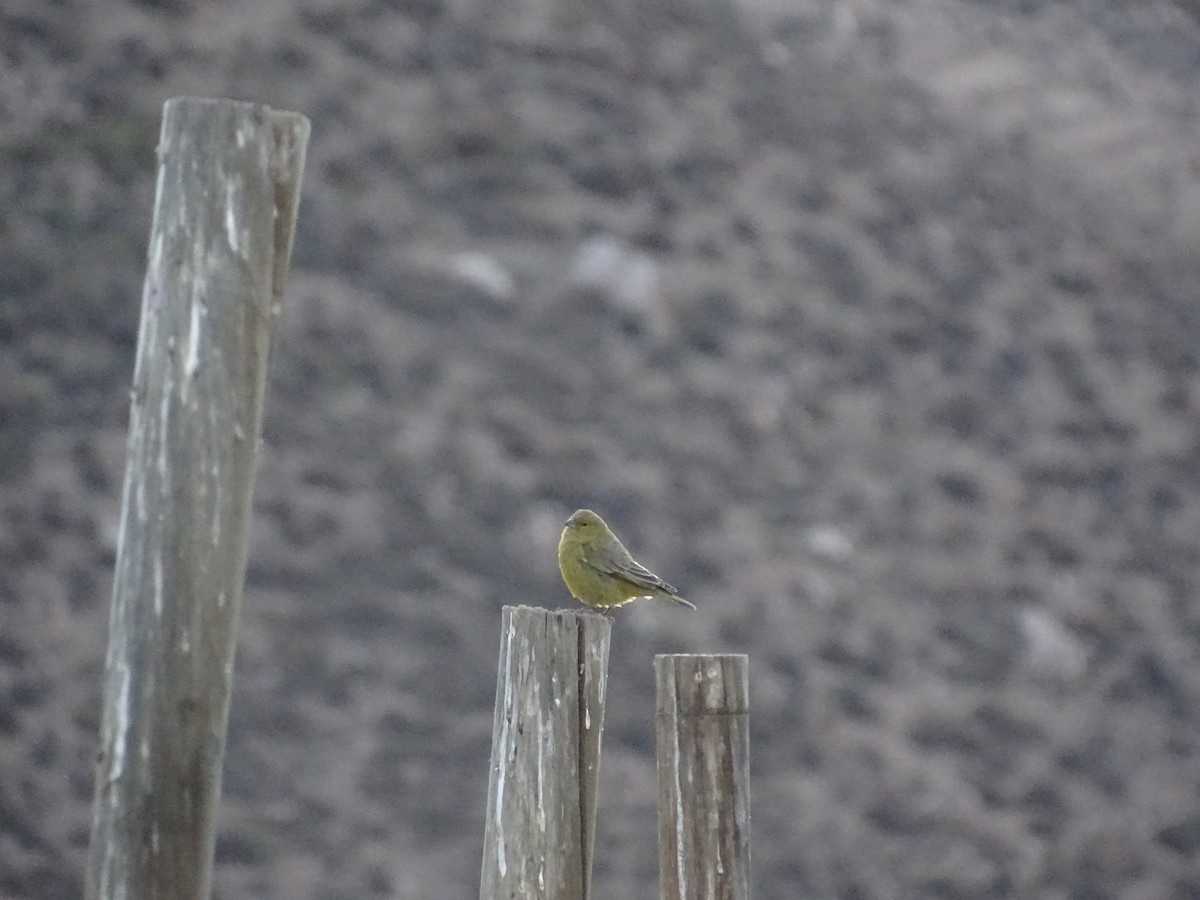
703, 777
541, 808
224, 216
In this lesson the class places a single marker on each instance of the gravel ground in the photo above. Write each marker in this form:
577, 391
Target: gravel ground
870, 325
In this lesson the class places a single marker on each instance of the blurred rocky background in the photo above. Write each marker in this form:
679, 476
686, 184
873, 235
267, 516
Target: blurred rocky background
871, 324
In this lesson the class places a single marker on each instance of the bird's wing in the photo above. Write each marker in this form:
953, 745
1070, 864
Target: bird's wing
617, 563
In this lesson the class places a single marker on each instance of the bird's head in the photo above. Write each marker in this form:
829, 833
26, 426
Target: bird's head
585, 523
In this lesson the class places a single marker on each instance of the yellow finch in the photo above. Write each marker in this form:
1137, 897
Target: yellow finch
599, 570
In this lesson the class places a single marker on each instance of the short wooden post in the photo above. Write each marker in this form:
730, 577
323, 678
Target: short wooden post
703, 777
541, 808
224, 216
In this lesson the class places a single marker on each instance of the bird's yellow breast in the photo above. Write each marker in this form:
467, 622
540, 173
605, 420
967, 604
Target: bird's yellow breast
585, 582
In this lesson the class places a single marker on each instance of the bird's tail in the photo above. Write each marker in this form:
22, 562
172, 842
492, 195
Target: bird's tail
675, 598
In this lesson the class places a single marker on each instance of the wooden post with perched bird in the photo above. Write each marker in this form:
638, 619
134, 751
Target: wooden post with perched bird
224, 215
541, 808
703, 737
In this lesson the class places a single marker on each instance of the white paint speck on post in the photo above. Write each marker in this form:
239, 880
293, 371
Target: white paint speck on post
192, 359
